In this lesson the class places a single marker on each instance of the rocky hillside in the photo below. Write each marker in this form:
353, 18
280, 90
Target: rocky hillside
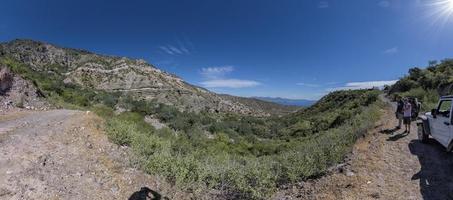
18, 92
132, 77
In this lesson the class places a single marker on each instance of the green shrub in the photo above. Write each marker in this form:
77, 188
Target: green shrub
120, 132
103, 110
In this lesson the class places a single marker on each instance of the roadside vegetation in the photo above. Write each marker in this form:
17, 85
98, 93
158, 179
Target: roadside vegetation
240, 156
426, 84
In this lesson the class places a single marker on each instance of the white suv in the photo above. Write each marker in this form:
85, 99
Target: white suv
438, 123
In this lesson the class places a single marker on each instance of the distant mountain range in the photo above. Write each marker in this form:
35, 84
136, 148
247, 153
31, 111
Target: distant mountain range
288, 102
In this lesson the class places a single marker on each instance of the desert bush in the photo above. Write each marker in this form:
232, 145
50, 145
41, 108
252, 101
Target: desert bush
120, 132
103, 110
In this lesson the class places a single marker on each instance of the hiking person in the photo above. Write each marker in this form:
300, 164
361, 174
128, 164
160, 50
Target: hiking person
407, 115
399, 111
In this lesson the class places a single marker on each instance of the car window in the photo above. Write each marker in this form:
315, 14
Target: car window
444, 108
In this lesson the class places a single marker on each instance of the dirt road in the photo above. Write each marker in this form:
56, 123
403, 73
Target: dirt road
386, 164
61, 154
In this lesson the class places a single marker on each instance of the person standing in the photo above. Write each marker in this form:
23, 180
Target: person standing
407, 114
399, 111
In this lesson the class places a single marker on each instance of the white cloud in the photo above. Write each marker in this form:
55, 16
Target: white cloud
308, 84
323, 4
182, 47
173, 50
384, 4
363, 85
215, 77
370, 84
392, 50
166, 50
229, 83
185, 50
216, 72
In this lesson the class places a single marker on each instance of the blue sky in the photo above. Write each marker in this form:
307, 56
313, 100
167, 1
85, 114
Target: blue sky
288, 48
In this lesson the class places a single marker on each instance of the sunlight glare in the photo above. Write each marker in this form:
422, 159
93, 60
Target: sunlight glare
444, 7
449, 5
440, 12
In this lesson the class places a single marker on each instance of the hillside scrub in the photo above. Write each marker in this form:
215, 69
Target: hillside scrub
426, 84
240, 156
245, 164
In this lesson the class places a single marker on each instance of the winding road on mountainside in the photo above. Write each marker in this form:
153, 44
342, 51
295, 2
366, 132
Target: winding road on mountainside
386, 164
63, 154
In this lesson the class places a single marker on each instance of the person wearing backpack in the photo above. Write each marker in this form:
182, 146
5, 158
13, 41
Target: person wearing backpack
407, 115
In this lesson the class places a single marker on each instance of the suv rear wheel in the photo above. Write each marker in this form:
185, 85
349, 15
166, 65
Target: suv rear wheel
450, 147
422, 136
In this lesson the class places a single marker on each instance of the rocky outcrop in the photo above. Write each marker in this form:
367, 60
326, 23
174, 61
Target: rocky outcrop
18, 92
6, 80
134, 77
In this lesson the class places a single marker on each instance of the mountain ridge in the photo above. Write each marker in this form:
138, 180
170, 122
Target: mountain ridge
135, 77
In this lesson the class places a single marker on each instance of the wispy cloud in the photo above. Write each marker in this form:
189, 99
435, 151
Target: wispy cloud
216, 72
229, 83
363, 85
323, 4
308, 84
179, 47
215, 77
384, 4
173, 50
183, 47
392, 50
166, 50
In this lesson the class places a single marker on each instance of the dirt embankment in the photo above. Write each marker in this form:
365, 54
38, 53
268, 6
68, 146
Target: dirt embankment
386, 164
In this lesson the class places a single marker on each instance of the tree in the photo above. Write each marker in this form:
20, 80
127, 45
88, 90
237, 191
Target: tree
432, 63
